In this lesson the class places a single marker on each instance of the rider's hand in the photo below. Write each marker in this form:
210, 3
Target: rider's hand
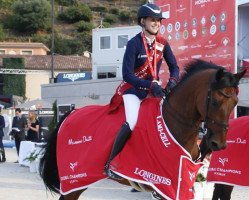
157, 90
171, 84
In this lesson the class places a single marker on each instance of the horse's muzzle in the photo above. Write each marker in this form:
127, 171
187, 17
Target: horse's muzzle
216, 146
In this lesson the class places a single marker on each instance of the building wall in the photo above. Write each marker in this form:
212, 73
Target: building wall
105, 60
80, 92
19, 51
34, 82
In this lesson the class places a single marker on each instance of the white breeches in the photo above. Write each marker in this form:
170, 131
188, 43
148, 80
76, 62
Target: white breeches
131, 105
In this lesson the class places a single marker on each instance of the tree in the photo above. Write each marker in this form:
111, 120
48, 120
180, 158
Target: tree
67, 2
14, 84
31, 16
76, 13
5, 4
2, 34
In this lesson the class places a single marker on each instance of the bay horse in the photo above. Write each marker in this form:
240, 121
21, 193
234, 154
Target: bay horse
206, 93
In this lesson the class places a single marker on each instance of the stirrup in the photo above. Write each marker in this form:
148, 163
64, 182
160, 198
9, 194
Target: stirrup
111, 174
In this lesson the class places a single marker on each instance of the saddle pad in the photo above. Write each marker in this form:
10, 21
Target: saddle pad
230, 166
151, 156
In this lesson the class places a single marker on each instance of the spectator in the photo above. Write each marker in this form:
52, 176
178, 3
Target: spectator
32, 127
18, 129
2, 125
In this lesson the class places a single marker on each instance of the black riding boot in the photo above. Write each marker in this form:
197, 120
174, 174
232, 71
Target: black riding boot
3, 155
123, 135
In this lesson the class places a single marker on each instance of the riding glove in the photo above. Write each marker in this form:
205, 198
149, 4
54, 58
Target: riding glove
171, 84
157, 90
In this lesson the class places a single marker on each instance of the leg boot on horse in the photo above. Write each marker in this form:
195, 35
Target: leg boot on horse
123, 135
222, 192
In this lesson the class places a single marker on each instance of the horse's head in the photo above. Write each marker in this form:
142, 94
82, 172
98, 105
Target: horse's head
220, 102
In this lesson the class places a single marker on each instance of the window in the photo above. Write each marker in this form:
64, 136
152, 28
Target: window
122, 41
27, 52
103, 75
105, 42
2, 52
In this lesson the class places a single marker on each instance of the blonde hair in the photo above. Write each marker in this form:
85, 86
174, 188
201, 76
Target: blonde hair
32, 116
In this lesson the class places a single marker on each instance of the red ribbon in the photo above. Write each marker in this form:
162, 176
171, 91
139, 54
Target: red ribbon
153, 68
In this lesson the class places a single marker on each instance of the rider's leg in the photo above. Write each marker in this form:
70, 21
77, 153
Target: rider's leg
132, 105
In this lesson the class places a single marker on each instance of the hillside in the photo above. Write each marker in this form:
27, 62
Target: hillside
69, 38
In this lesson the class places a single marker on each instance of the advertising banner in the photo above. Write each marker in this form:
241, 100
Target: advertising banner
199, 29
71, 77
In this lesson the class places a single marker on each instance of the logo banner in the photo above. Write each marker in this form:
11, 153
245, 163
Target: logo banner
199, 29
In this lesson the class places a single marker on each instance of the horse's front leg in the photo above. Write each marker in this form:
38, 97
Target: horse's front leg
72, 196
222, 192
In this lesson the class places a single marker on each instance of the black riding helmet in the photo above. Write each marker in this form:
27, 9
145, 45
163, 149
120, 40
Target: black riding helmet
149, 10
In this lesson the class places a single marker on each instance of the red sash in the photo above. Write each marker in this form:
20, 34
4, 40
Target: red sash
142, 72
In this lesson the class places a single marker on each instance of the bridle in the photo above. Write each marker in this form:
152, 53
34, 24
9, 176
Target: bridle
208, 120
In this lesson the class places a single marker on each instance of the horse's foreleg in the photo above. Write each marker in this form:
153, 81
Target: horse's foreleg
222, 192
72, 196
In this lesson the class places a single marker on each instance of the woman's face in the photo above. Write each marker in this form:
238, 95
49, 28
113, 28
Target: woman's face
31, 115
151, 25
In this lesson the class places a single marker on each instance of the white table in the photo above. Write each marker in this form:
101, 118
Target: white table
26, 147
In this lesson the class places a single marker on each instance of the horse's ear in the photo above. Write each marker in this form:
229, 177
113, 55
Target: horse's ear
239, 75
219, 74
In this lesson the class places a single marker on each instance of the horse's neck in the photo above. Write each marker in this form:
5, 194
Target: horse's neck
183, 120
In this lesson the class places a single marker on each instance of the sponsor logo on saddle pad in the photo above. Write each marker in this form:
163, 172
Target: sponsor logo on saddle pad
73, 176
73, 165
224, 172
237, 141
152, 178
84, 139
191, 175
162, 131
223, 160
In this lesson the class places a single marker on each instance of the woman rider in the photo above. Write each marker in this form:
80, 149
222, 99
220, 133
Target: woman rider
141, 64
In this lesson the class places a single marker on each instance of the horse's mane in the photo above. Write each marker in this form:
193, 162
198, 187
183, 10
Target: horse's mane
197, 66
200, 65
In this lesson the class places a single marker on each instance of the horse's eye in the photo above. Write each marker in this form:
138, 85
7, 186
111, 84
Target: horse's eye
215, 103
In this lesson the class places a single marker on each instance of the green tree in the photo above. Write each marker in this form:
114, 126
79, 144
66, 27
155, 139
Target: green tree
31, 16
85, 39
76, 13
84, 26
2, 34
64, 46
67, 2
14, 84
5, 4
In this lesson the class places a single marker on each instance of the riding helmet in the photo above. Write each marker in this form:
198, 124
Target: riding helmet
149, 10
